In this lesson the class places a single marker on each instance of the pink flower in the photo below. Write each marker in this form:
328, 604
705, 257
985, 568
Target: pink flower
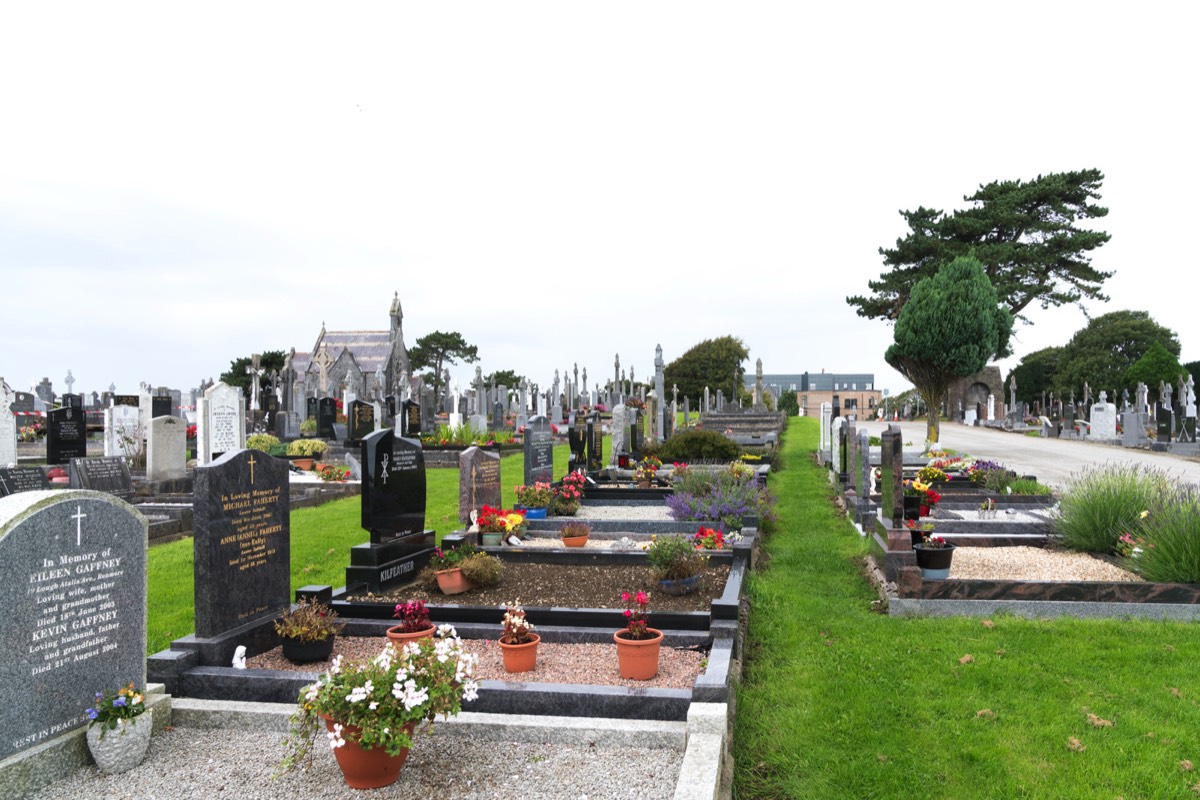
625, 597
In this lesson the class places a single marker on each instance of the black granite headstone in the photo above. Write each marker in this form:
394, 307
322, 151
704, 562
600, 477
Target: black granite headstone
126, 400
497, 420
390, 400
1163, 424
360, 422
66, 435
160, 407
241, 541
109, 474
412, 419
71, 401
539, 451
595, 443
22, 479
269, 404
310, 408
326, 417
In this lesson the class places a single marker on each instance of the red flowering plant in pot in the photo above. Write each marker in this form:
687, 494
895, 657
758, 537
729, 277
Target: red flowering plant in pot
414, 622
637, 643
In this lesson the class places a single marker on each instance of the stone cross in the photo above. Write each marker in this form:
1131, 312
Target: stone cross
576, 382
1189, 397
379, 377
322, 361
1012, 392
1087, 394
617, 368
70, 382
254, 370
674, 393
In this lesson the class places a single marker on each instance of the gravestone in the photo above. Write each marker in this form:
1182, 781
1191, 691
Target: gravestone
539, 451
497, 420
1163, 424
221, 423
393, 511
122, 431
160, 407
578, 449
411, 426
863, 476
618, 433
108, 475
22, 479
891, 484
310, 408
66, 435
478, 424
595, 443
1104, 419
8, 427
166, 449
326, 417
176, 398
478, 481
22, 402
71, 400
72, 609
361, 422
241, 541
826, 420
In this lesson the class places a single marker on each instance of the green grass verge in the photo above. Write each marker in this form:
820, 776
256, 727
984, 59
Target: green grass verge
320, 543
840, 701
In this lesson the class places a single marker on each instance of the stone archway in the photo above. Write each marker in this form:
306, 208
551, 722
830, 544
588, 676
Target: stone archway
976, 393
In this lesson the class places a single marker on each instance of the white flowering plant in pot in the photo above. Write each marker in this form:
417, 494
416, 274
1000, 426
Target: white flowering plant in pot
377, 702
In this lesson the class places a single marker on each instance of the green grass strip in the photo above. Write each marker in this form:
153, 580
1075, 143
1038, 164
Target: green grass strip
838, 700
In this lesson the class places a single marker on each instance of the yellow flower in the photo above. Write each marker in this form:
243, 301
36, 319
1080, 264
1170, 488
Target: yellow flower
920, 487
1145, 514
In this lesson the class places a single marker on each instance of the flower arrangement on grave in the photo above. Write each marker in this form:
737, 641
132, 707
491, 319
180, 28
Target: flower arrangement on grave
540, 495
413, 616
517, 629
931, 474
922, 527
375, 704
674, 558
637, 614
332, 472
27, 433
934, 543
647, 469
500, 520
741, 472
451, 557
190, 432
708, 539
111, 707
569, 494
309, 621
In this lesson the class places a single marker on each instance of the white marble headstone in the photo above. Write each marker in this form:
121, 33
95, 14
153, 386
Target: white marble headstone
122, 431
166, 449
8, 427
222, 424
1104, 421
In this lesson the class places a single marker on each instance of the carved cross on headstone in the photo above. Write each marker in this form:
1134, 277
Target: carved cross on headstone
78, 516
251, 462
322, 360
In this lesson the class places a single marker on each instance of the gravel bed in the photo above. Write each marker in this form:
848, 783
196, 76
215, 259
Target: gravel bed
592, 543
640, 512
591, 664
1033, 564
195, 764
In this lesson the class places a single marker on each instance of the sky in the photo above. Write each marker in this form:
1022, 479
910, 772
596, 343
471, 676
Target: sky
181, 185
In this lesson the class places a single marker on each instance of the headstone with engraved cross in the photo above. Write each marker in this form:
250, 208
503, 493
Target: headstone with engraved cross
478, 481
322, 361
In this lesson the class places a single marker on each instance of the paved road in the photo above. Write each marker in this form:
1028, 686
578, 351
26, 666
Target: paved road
1053, 461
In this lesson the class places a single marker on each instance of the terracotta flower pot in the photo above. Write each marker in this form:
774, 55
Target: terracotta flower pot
400, 638
452, 581
575, 541
520, 657
367, 769
638, 658
303, 463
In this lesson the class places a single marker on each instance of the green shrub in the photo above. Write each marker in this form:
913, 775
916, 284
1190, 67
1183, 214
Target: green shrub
308, 427
1028, 486
1101, 504
1170, 539
307, 447
262, 441
696, 445
674, 558
482, 569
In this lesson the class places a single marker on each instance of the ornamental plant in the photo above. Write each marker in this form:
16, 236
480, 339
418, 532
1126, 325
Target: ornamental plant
413, 616
377, 702
931, 474
125, 703
573, 529
516, 628
568, 494
332, 472
717, 496
537, 496
500, 520
307, 447
708, 539
309, 621
637, 612
931, 542
452, 556
482, 569
261, 441
674, 558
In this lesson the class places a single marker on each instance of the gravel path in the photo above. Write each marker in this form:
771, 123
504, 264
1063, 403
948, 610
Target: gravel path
591, 664
193, 764
1033, 564
638, 512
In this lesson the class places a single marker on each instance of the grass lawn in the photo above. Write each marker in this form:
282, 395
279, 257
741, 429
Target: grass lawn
321, 541
838, 700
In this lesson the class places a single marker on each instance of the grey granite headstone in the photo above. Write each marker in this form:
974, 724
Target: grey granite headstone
539, 451
72, 608
22, 479
617, 432
166, 449
891, 470
242, 541
109, 475
478, 481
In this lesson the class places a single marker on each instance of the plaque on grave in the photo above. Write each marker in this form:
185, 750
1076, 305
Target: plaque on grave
22, 479
412, 419
361, 422
66, 435
478, 481
595, 443
310, 408
241, 541
326, 417
160, 407
110, 475
126, 400
72, 609
539, 451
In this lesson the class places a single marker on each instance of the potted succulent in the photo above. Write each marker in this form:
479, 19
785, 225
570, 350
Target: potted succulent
575, 534
568, 495
518, 643
308, 631
370, 708
414, 622
118, 729
495, 524
637, 643
534, 499
933, 557
677, 563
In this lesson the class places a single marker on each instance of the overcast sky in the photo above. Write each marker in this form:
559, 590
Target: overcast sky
181, 185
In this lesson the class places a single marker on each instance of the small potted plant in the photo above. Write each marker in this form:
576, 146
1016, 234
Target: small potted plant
308, 630
708, 539
118, 729
637, 643
568, 495
647, 471
496, 524
303, 452
414, 622
914, 493
917, 530
334, 473
447, 565
308, 428
535, 499
933, 557
575, 534
370, 708
518, 642
677, 563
